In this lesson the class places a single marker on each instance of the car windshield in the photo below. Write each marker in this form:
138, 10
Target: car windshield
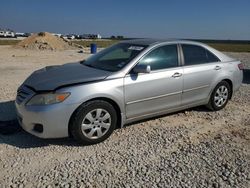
115, 57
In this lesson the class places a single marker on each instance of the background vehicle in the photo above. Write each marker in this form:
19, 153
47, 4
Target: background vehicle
70, 36
7, 34
129, 81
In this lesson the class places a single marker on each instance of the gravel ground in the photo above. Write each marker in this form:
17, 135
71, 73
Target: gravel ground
192, 148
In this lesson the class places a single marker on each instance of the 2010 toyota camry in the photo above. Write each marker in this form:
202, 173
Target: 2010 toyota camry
126, 82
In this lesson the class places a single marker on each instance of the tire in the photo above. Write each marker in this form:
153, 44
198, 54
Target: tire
93, 122
220, 96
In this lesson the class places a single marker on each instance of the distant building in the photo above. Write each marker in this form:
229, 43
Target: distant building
99, 36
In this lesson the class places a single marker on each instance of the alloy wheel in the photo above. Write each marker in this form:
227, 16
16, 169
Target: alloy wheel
221, 96
96, 123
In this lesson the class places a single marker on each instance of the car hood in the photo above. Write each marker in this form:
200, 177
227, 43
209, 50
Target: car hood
53, 77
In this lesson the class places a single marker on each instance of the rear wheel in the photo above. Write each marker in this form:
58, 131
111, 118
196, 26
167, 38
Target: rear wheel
93, 122
220, 96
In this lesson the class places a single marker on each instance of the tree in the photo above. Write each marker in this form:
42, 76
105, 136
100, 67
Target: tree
120, 37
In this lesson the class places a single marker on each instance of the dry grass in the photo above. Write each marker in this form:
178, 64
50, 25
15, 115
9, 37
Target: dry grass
9, 42
100, 43
227, 47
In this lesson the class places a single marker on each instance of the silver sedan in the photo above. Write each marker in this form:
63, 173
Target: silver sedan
127, 82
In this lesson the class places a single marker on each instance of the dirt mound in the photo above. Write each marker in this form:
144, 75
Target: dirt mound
45, 41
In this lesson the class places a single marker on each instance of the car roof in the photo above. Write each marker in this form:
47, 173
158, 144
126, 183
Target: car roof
146, 42
152, 41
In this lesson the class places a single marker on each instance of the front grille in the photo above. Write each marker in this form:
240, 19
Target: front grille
23, 93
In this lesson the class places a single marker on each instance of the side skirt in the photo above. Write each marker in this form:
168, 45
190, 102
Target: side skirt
155, 114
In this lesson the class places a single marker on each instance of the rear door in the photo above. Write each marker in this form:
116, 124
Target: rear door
200, 69
148, 93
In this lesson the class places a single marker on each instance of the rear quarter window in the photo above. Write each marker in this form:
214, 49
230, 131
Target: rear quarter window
211, 57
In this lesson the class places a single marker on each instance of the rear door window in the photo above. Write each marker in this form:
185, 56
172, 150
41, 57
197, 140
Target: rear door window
194, 55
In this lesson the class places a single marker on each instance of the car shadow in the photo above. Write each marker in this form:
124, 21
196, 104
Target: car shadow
246, 76
12, 134
23, 139
7, 110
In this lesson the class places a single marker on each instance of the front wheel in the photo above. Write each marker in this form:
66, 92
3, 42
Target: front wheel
220, 96
93, 122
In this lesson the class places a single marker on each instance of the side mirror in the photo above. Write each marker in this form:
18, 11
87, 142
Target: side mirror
142, 69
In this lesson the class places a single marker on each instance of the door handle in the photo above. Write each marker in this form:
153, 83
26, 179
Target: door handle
217, 67
177, 74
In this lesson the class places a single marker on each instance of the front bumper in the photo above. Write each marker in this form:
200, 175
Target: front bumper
53, 118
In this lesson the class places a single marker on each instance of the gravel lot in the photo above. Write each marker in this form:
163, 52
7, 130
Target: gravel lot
192, 148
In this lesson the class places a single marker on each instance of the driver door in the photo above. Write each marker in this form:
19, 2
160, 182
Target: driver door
159, 90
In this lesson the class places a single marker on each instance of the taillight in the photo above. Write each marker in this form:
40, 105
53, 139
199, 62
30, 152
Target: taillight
241, 66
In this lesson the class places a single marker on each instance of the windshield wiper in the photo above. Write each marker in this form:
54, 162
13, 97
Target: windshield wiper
88, 65
81, 62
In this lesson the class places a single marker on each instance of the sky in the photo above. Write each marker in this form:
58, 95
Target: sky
189, 19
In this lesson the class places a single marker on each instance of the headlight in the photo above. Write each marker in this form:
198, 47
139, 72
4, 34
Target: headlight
48, 98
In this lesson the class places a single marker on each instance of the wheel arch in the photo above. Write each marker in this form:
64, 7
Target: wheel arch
231, 86
111, 101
